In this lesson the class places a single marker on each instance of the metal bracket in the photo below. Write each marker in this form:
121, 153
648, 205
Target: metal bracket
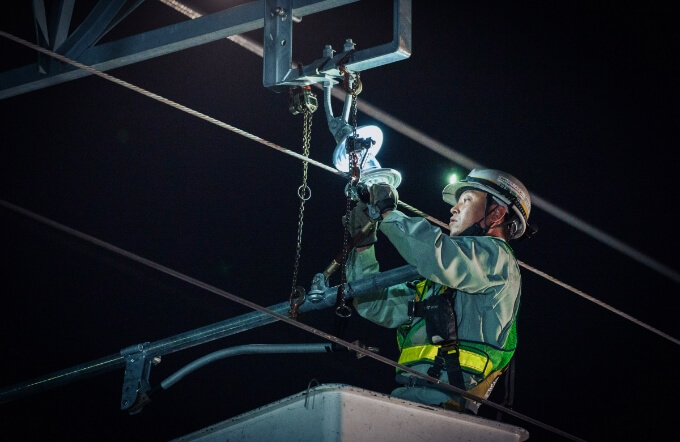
279, 73
317, 291
136, 378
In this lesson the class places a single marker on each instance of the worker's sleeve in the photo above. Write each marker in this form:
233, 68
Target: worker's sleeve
387, 307
470, 264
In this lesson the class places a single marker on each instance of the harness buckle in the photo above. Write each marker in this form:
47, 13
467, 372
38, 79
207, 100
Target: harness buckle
415, 309
439, 363
449, 347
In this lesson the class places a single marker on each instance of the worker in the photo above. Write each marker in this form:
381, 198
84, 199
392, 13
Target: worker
457, 323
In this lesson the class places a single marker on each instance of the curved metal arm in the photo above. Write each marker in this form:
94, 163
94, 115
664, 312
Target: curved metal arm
244, 350
338, 126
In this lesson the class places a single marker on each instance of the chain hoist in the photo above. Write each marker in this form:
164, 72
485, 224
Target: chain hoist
354, 175
303, 101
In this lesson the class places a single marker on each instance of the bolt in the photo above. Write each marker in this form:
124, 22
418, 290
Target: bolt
280, 12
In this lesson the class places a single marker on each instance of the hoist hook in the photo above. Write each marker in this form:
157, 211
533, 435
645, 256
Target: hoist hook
295, 304
301, 100
355, 87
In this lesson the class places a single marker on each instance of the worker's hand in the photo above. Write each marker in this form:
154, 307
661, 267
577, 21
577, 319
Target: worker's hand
384, 197
358, 221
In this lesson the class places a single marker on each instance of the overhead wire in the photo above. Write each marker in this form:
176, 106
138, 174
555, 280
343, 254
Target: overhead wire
406, 130
169, 102
461, 159
249, 304
537, 201
402, 128
465, 161
350, 345
301, 157
298, 156
254, 306
129, 255
458, 158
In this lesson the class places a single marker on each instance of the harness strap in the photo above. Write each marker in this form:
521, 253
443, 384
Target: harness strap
448, 358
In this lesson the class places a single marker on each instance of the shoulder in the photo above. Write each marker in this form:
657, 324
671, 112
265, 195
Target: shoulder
482, 248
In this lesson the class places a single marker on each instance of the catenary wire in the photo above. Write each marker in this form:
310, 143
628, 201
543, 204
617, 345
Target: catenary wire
445, 151
303, 158
458, 159
352, 346
169, 102
449, 153
250, 304
225, 294
400, 126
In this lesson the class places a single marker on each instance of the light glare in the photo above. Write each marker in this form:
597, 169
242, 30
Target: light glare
340, 159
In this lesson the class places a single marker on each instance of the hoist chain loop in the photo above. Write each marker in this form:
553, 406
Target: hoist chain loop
297, 294
304, 192
343, 310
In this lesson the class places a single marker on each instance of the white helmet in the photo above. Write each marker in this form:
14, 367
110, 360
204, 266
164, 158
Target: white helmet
502, 186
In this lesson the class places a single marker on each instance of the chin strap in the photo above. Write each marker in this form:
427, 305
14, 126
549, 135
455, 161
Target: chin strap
476, 229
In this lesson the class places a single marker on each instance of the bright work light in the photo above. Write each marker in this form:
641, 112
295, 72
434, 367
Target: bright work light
368, 142
372, 139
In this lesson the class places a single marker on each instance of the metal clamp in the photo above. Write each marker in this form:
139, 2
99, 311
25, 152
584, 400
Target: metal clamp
278, 49
136, 377
318, 289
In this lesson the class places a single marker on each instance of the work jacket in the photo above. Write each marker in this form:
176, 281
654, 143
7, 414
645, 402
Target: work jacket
484, 274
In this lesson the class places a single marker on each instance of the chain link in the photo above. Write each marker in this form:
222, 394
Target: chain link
343, 310
304, 193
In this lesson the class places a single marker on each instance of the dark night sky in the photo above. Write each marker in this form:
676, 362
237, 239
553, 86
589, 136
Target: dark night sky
577, 99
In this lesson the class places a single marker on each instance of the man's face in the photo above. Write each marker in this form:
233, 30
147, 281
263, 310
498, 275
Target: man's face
469, 210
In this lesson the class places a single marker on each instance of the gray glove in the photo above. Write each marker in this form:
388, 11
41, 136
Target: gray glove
358, 219
384, 197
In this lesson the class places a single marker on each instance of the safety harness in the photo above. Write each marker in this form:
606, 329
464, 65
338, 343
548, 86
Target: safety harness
443, 351
441, 326
446, 352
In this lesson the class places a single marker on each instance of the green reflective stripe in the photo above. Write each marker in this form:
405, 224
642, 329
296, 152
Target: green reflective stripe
468, 359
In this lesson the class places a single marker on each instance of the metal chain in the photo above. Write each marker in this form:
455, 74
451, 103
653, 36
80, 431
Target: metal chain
343, 310
304, 193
